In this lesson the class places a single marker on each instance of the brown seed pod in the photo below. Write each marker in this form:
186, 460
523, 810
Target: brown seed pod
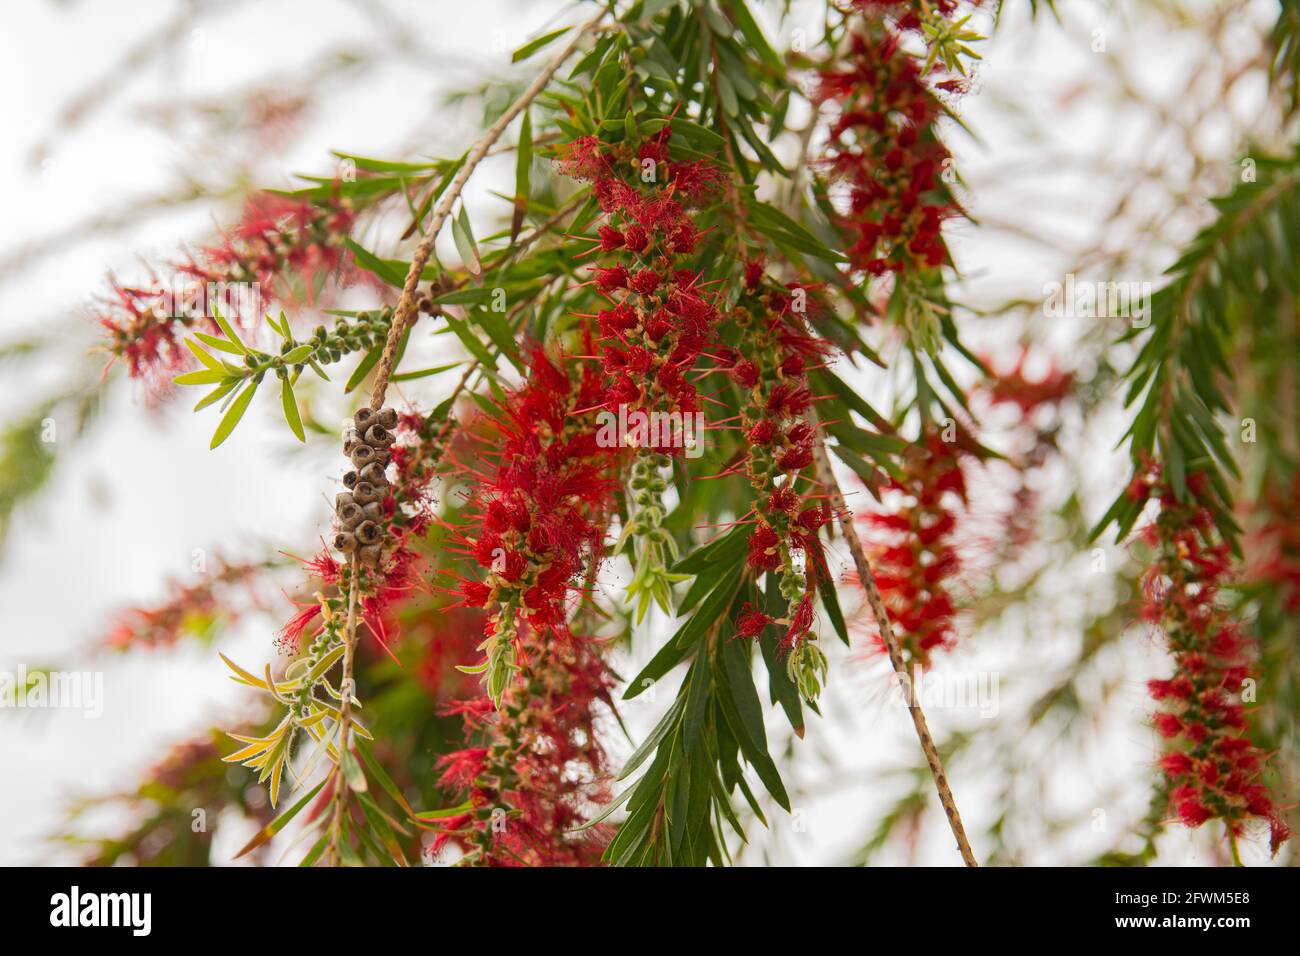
365, 492
388, 417
361, 456
377, 436
343, 498
345, 541
350, 479
368, 532
348, 445
351, 515
374, 473
371, 555
374, 511
362, 419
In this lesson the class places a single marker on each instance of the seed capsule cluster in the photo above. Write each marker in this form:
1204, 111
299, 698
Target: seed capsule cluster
360, 509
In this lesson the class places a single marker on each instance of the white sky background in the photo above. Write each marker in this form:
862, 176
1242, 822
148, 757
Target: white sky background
128, 506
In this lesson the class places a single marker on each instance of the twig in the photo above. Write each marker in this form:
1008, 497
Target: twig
826, 476
406, 304
345, 710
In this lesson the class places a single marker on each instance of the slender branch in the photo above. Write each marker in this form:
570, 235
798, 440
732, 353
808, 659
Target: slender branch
345, 710
826, 476
405, 310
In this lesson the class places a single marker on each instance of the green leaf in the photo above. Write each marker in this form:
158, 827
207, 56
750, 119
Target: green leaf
352, 771
724, 549
711, 608
224, 345
228, 329
499, 332
279, 823
648, 746
217, 394
203, 356
523, 168
233, 415
532, 46
205, 376
467, 338
379, 773
443, 814
368, 361
372, 263
290, 403
423, 373
463, 234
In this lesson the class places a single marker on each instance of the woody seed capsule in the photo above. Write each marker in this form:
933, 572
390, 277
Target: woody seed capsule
377, 436
350, 479
370, 555
345, 541
362, 418
373, 511
388, 417
366, 492
373, 473
351, 515
362, 455
368, 532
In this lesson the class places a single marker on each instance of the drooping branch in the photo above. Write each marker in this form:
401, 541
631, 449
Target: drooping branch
822, 466
406, 304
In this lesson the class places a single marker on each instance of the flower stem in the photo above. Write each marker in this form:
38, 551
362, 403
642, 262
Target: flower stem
345, 712
826, 476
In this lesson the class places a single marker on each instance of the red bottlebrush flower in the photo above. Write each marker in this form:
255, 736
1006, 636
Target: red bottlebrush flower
1210, 661
610, 239
784, 499
762, 545
538, 757
913, 555
751, 622
1193, 813
746, 374
1015, 387
208, 599
883, 150
1161, 689
762, 432
460, 768
476, 593
607, 280
645, 282
789, 400
659, 311
1176, 764
279, 247
292, 632
1168, 725
770, 369
535, 521
800, 622
584, 159
795, 458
